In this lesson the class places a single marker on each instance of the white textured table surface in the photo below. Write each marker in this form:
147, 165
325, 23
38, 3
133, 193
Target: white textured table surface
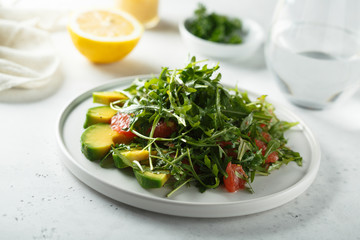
41, 199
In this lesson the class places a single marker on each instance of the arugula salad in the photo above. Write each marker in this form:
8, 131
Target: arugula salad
184, 128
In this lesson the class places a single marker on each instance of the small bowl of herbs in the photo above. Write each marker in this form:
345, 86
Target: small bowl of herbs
220, 36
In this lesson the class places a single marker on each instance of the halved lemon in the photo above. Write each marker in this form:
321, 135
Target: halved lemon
104, 35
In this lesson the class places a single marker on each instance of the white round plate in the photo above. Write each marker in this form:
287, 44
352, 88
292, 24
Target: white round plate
280, 187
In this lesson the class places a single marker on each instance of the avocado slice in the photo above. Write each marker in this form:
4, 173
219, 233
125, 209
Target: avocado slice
148, 179
124, 158
107, 97
100, 114
96, 140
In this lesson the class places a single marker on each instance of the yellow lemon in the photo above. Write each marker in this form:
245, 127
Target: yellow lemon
104, 35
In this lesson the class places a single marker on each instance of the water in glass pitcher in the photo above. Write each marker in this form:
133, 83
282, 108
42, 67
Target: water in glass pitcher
312, 70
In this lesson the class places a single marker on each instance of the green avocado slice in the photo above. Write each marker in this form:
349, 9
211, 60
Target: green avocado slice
107, 97
148, 179
96, 140
100, 114
124, 158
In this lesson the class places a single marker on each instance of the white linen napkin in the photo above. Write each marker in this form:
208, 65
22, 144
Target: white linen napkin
50, 20
28, 60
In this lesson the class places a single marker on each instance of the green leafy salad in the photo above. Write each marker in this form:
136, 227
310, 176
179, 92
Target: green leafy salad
215, 27
184, 128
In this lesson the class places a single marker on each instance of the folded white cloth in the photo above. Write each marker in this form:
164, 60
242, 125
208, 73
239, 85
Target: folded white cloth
46, 19
27, 56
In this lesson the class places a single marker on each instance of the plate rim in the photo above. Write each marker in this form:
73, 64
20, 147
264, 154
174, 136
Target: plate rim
85, 176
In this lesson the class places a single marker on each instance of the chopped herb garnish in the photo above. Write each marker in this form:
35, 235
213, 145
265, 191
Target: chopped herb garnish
215, 27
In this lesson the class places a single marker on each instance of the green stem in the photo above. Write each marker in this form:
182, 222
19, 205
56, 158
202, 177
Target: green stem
156, 120
180, 186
